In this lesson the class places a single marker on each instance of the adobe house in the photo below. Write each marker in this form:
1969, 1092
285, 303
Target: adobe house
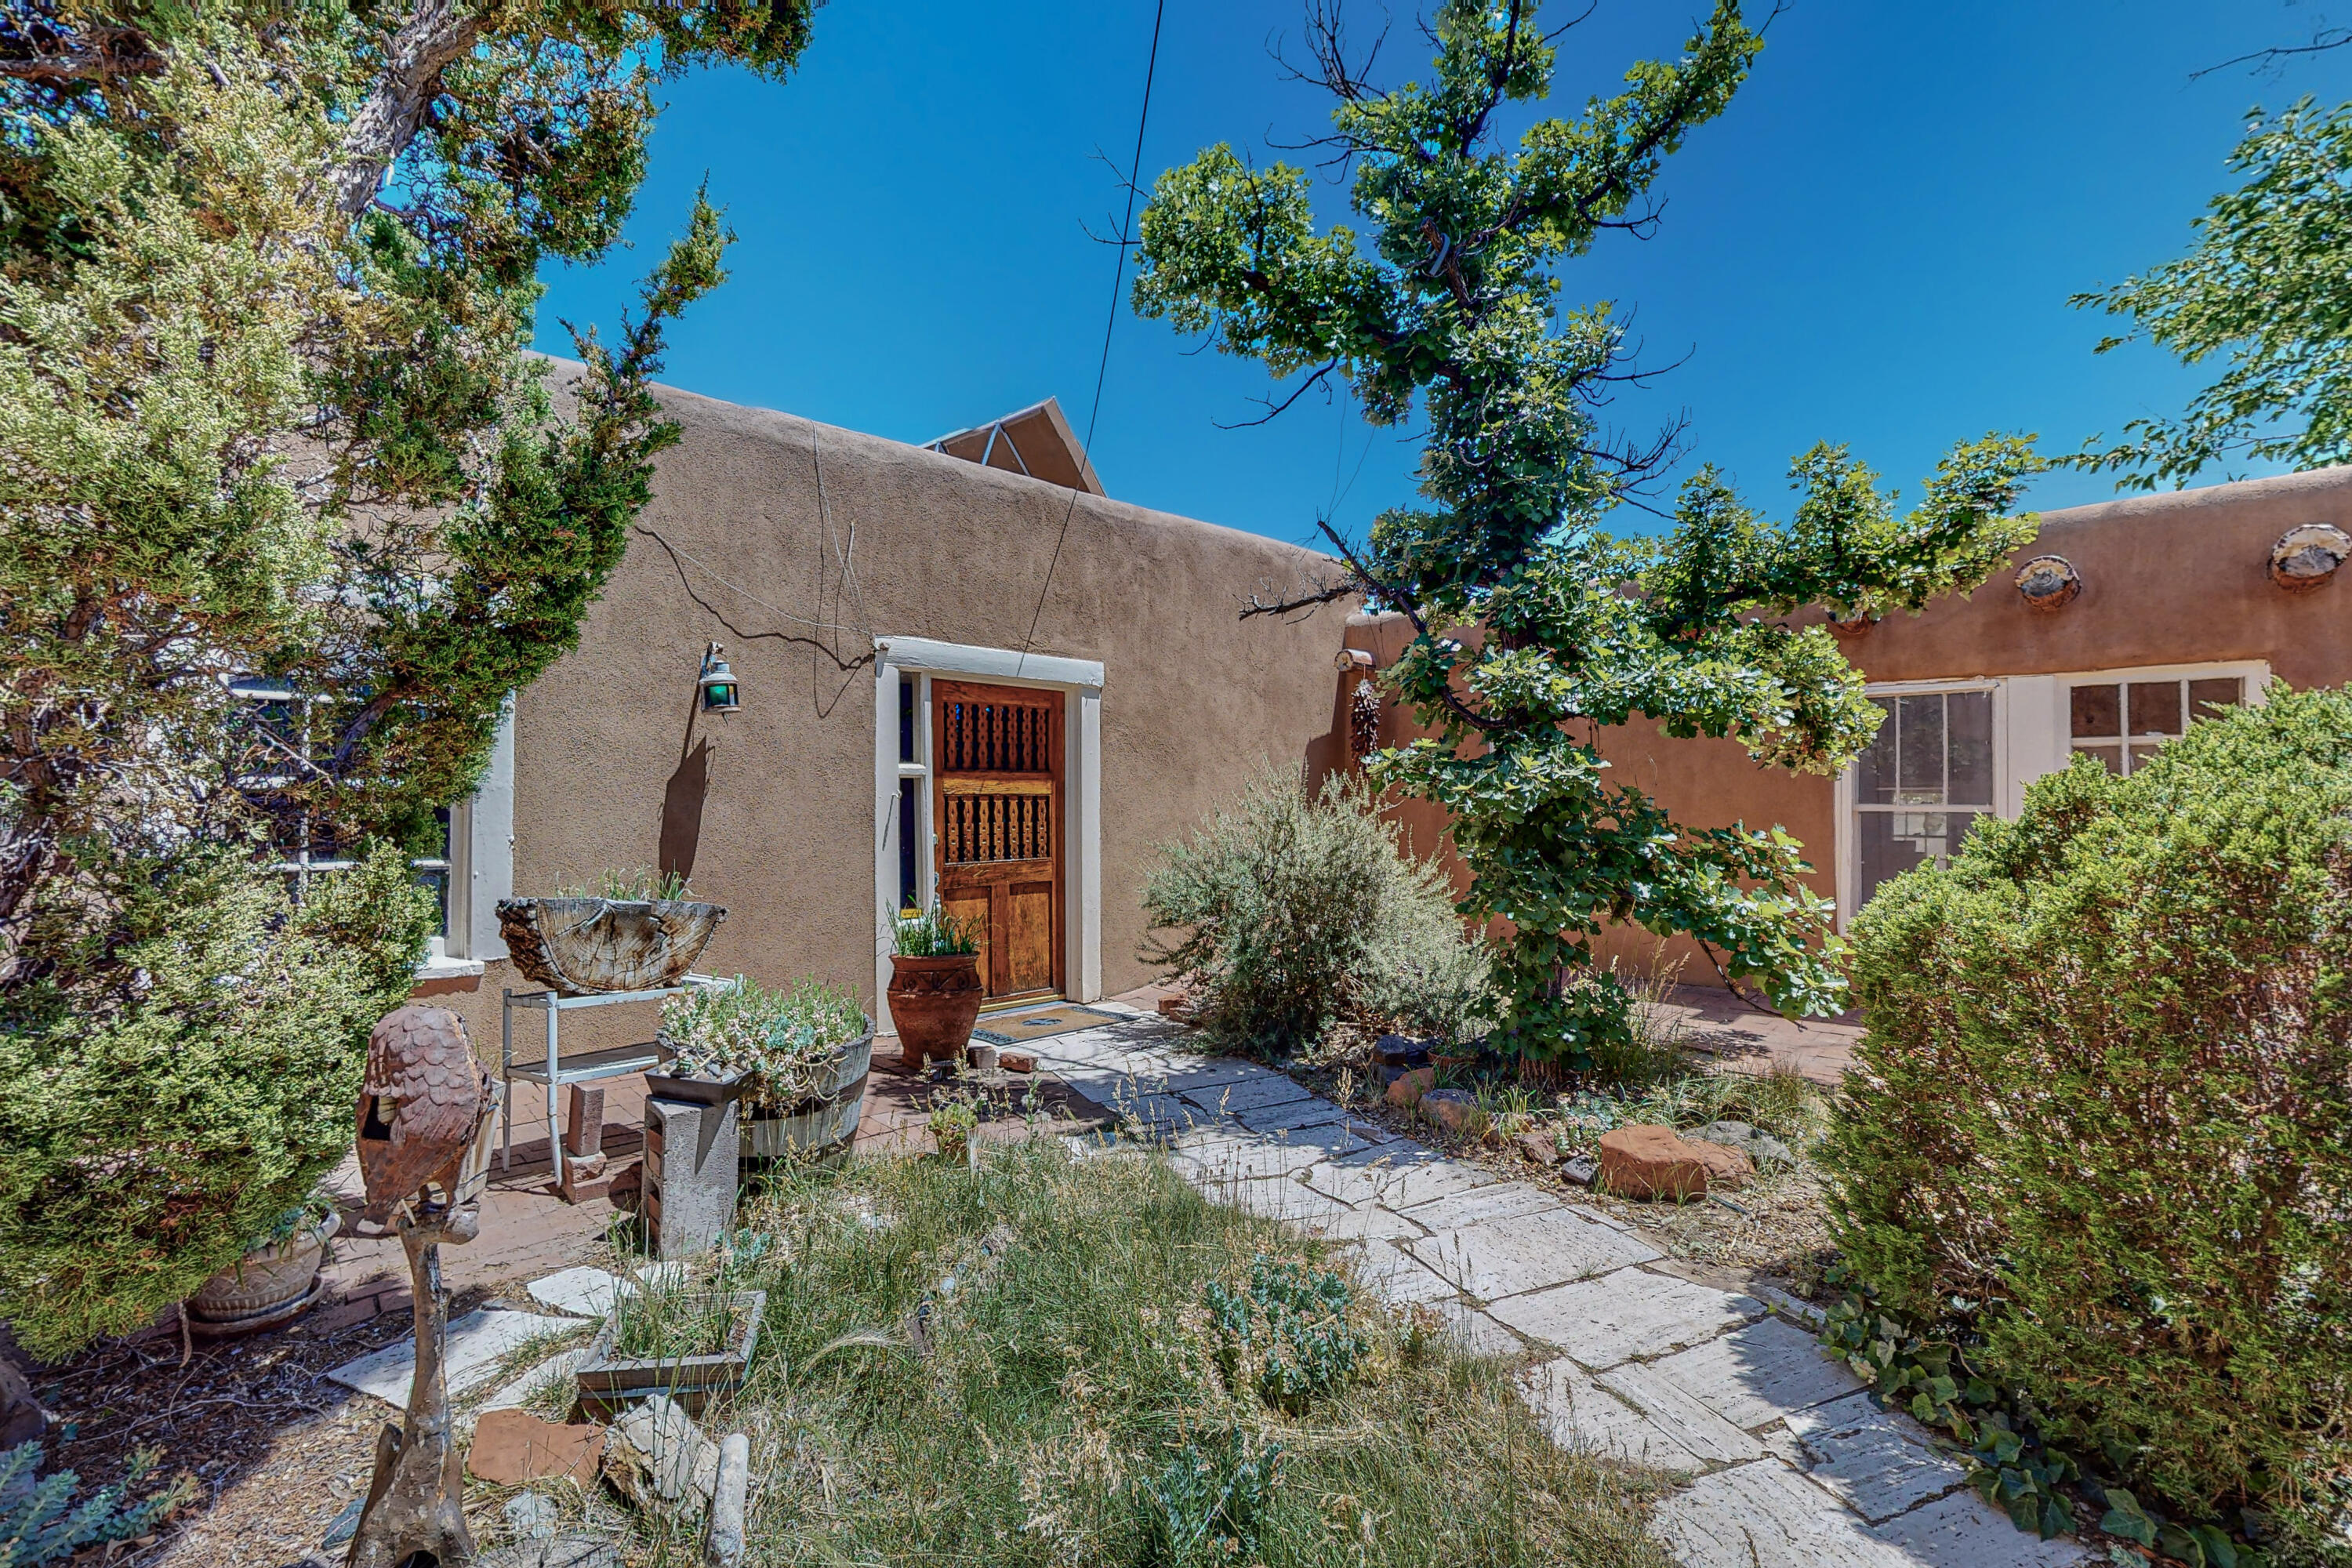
2119, 624
961, 670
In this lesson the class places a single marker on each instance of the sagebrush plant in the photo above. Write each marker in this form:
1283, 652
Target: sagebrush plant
777, 1043
1064, 1407
41, 1522
1533, 627
154, 1130
1285, 1331
1287, 912
2102, 1120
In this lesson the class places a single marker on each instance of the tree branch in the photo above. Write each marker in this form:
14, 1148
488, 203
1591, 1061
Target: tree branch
434, 36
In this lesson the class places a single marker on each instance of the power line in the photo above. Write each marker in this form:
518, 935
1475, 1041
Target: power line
1118, 276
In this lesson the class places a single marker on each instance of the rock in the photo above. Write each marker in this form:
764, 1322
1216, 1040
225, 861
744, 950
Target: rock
1761, 1147
722, 1545
22, 1419
559, 1552
658, 1458
532, 1516
1654, 1162
511, 1446
1409, 1087
582, 1292
1017, 1061
1449, 1108
1539, 1146
1580, 1169
628, 1188
985, 1059
1400, 1051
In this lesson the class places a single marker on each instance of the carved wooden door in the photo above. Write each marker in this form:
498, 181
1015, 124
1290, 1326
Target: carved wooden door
998, 816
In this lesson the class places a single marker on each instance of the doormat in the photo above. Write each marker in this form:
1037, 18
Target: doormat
1043, 1023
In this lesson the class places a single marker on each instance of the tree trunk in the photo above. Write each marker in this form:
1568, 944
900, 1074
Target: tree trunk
434, 35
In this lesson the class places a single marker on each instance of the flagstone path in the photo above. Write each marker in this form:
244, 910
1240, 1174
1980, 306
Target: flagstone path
1786, 1462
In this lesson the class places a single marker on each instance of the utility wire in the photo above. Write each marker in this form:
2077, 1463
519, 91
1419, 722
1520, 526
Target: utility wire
1118, 276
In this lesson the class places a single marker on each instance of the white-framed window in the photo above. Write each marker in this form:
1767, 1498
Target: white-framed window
1952, 750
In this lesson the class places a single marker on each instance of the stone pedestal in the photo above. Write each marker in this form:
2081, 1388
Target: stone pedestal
691, 1153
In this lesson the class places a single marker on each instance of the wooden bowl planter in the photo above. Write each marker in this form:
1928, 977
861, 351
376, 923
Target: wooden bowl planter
820, 1127
578, 947
269, 1286
934, 1003
607, 1383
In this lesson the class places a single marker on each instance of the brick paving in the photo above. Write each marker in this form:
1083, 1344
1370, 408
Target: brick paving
1742, 1039
1785, 1460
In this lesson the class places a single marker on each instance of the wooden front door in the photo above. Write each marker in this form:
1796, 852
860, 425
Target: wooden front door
998, 813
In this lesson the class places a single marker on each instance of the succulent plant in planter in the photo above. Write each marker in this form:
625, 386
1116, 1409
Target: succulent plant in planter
935, 984
796, 1060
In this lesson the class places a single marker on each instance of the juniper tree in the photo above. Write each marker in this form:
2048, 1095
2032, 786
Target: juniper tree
1534, 625
267, 279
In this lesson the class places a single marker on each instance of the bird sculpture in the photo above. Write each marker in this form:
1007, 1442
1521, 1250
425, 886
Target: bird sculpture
422, 1103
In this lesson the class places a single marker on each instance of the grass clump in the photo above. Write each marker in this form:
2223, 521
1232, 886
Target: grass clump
669, 1318
935, 933
639, 885
1051, 1361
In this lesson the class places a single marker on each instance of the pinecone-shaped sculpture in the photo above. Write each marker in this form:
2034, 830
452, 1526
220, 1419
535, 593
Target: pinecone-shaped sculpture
425, 1098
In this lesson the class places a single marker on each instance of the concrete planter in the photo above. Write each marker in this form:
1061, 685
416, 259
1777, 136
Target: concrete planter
578, 947
934, 1003
266, 1287
608, 1382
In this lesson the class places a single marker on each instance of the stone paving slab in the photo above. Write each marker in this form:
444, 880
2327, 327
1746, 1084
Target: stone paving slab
1581, 1415
1963, 1530
1392, 1275
1670, 1406
1295, 1117
474, 1346
1764, 1373
1630, 1313
1765, 1515
1878, 1461
1504, 1200
1532, 1252
1248, 1094
1398, 1179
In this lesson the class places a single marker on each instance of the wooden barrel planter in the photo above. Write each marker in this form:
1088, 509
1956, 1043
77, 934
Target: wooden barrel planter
820, 1127
579, 947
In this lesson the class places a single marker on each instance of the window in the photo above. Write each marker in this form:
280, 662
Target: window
914, 795
2123, 722
272, 752
1927, 776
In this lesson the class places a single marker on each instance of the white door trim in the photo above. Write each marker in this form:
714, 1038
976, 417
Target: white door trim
1081, 681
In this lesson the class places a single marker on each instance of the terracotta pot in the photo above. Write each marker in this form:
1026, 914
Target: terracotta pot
934, 1002
266, 1281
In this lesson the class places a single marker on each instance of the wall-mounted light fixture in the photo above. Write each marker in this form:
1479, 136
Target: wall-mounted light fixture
720, 692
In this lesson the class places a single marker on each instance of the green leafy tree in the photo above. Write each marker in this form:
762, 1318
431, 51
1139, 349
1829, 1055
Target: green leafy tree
268, 278
1534, 625
2266, 292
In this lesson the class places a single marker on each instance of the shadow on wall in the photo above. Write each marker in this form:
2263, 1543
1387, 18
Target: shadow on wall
681, 817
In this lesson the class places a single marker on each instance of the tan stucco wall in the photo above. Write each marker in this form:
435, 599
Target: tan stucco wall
2176, 578
908, 543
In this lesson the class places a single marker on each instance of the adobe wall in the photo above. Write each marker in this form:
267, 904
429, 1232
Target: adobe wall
772, 806
2176, 578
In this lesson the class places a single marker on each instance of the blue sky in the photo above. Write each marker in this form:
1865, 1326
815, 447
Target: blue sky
1874, 244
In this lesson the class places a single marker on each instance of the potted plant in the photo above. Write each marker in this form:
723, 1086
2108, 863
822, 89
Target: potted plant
935, 985
274, 1281
952, 1125
634, 930
795, 1060
670, 1337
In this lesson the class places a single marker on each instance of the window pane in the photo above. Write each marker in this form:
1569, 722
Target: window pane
909, 825
439, 880
1969, 716
2208, 698
2111, 757
905, 720
1878, 768
1894, 842
2140, 755
2155, 708
1919, 764
2096, 711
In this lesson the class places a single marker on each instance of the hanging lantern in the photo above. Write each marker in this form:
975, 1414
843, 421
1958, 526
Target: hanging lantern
720, 692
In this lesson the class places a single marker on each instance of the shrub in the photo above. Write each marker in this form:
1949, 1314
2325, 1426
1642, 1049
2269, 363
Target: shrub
2101, 1122
1293, 910
156, 1126
1286, 1332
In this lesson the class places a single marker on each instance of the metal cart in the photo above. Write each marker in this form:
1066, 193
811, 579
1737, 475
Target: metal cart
556, 1068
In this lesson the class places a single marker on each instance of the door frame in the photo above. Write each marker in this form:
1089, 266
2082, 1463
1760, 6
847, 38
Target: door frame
1080, 681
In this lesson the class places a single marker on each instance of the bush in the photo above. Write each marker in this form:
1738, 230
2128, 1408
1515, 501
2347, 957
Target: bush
1294, 910
2101, 1122
155, 1126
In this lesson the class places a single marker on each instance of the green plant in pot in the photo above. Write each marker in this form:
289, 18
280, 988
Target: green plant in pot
952, 1125
796, 1059
276, 1278
935, 984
